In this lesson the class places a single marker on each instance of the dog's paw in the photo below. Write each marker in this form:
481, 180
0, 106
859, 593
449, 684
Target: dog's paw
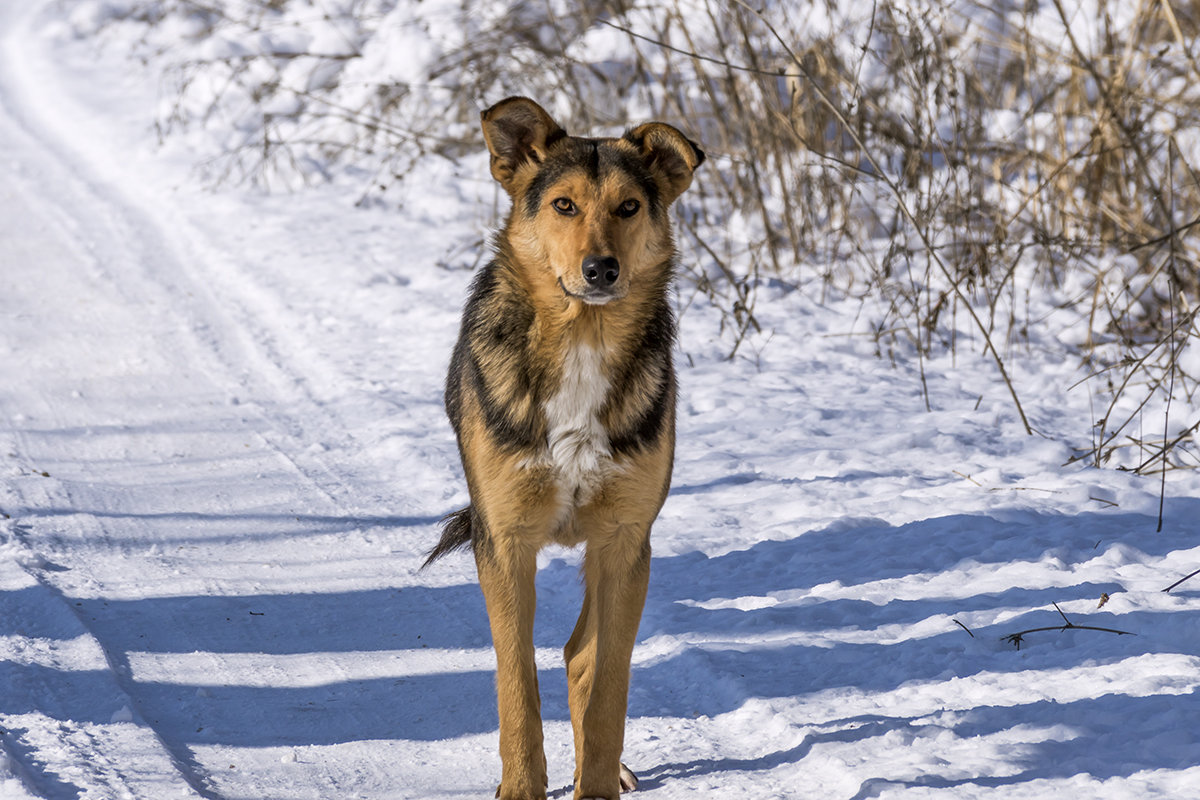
629, 781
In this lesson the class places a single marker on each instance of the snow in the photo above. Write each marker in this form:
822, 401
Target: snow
223, 455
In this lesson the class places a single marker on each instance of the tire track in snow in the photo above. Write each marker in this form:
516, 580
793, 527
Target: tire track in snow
227, 323
132, 269
47, 242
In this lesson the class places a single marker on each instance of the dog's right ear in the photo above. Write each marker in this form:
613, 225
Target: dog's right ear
671, 156
517, 130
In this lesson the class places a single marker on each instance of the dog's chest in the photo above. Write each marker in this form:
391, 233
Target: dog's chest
577, 444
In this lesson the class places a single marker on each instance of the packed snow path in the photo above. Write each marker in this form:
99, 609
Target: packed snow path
222, 455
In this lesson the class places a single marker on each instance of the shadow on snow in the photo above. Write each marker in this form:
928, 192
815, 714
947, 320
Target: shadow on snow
722, 657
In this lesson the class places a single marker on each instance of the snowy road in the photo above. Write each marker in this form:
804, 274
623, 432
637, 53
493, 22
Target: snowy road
164, 468
222, 455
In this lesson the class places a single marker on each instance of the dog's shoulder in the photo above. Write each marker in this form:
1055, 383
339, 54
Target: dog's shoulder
491, 358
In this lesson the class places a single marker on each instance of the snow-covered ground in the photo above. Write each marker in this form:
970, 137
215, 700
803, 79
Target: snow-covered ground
223, 454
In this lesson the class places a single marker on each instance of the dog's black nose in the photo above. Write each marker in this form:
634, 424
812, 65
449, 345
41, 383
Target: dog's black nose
601, 271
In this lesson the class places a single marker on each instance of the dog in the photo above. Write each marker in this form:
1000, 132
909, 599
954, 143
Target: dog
561, 392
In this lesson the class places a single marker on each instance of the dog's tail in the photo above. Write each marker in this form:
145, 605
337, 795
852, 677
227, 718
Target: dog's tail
456, 534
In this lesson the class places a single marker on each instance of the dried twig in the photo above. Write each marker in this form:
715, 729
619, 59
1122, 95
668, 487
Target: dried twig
1017, 638
903, 206
1181, 580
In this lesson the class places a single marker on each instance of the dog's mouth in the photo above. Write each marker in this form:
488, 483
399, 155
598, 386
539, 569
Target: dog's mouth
592, 296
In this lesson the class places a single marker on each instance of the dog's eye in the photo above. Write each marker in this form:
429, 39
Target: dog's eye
564, 206
628, 208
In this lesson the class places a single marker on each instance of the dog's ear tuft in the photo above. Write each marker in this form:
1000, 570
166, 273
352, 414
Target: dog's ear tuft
670, 156
517, 130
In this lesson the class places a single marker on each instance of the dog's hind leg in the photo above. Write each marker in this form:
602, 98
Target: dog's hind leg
506, 576
616, 570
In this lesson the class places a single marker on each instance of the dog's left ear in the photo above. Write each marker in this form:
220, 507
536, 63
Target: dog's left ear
517, 130
670, 156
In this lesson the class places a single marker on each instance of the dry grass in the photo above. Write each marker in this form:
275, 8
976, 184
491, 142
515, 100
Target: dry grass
951, 164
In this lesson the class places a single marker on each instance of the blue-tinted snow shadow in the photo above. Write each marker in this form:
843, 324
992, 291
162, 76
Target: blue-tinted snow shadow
403, 618
439, 705
425, 707
721, 677
408, 618
420, 707
703, 677
781, 585
723, 655
860, 551
376, 625
1112, 736
432, 707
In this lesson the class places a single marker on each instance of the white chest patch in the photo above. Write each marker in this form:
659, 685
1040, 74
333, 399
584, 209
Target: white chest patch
577, 443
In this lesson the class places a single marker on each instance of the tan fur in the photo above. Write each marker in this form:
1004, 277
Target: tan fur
562, 395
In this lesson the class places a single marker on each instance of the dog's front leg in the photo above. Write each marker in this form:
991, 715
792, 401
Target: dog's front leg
617, 571
506, 575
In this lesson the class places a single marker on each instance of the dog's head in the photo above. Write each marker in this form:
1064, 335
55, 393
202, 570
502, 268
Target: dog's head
590, 214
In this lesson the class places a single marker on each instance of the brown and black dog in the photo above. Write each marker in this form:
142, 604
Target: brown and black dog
562, 395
